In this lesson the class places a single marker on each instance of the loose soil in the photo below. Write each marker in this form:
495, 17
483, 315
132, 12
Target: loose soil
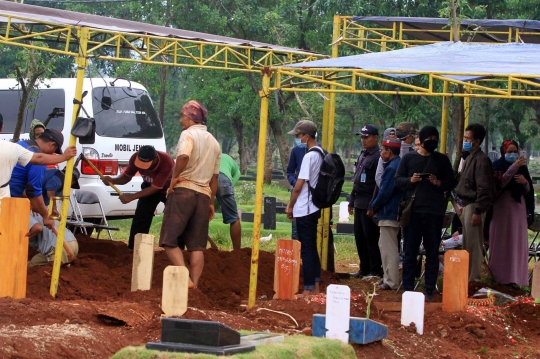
96, 314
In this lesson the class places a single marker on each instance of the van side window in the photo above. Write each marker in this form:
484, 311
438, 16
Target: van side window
42, 103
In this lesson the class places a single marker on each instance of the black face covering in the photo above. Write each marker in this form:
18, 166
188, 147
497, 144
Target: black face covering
430, 145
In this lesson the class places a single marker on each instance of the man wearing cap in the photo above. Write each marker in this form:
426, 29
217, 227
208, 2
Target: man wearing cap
190, 202
301, 207
28, 181
406, 132
12, 154
155, 168
53, 183
366, 233
426, 175
385, 212
388, 133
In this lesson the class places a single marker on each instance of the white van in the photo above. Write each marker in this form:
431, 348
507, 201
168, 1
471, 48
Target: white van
125, 120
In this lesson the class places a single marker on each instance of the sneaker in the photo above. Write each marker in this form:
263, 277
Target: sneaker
371, 277
384, 286
358, 275
429, 296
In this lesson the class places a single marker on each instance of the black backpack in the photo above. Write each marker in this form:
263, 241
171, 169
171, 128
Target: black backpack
331, 178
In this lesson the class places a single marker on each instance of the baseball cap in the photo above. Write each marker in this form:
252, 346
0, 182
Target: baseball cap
391, 142
304, 126
388, 131
368, 130
145, 156
406, 128
55, 136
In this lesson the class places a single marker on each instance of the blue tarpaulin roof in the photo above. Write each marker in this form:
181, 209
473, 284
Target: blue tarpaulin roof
445, 57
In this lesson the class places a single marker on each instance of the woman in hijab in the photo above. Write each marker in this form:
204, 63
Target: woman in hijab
513, 211
36, 129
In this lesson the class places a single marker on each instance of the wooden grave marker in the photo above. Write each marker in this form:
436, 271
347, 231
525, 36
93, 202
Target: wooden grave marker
143, 262
412, 310
338, 312
535, 287
175, 291
287, 269
14, 223
456, 280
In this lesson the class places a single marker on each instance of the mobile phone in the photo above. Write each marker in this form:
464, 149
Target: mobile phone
424, 175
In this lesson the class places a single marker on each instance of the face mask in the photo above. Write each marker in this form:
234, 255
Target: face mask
511, 157
430, 145
298, 142
467, 146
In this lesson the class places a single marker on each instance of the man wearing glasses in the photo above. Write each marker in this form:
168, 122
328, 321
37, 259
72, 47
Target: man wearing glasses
366, 232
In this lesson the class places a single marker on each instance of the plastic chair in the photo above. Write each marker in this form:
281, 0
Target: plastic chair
90, 198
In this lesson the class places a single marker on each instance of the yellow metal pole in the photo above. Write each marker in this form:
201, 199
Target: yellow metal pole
467, 106
263, 127
324, 142
82, 63
444, 122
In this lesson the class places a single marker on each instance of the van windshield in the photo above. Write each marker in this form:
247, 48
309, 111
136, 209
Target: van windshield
125, 113
42, 103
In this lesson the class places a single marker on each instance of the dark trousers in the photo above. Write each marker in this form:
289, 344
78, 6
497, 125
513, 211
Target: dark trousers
307, 235
144, 213
366, 234
427, 227
330, 266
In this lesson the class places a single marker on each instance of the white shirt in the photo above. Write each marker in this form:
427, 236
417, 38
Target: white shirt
309, 171
10, 155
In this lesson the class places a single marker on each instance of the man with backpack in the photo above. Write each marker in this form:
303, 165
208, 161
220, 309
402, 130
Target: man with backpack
301, 208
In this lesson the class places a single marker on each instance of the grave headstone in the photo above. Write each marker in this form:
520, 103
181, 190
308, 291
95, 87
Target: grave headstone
175, 291
269, 217
456, 280
412, 310
344, 212
143, 262
287, 269
338, 312
345, 228
247, 217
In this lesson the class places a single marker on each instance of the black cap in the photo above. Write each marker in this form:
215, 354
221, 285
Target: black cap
55, 136
428, 131
368, 130
145, 156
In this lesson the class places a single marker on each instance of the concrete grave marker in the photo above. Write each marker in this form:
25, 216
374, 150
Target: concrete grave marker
344, 212
456, 281
287, 269
143, 262
175, 291
338, 312
412, 310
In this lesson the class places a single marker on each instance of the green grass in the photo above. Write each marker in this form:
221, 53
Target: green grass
297, 346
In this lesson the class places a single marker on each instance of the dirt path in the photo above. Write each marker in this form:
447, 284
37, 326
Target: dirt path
96, 314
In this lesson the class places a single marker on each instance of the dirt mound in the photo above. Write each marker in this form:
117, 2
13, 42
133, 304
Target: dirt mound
103, 273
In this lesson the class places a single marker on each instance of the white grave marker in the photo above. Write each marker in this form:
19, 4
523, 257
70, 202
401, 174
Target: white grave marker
412, 310
338, 312
344, 212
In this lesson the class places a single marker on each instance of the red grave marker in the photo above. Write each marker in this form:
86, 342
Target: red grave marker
287, 269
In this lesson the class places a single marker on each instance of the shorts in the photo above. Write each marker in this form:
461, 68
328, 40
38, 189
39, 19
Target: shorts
43, 259
186, 220
226, 199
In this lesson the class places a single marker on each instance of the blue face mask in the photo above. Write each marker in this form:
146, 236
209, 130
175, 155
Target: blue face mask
511, 157
298, 142
467, 146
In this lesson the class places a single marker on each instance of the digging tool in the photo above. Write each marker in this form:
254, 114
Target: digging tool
83, 157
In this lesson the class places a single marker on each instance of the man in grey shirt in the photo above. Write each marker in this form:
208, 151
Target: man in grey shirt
43, 240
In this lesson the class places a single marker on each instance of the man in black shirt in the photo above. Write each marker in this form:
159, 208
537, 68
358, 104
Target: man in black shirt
432, 173
366, 232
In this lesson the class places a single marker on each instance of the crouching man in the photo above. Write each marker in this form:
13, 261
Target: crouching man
43, 240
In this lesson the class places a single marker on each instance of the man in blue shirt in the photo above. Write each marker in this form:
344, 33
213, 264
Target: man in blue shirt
53, 183
29, 180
